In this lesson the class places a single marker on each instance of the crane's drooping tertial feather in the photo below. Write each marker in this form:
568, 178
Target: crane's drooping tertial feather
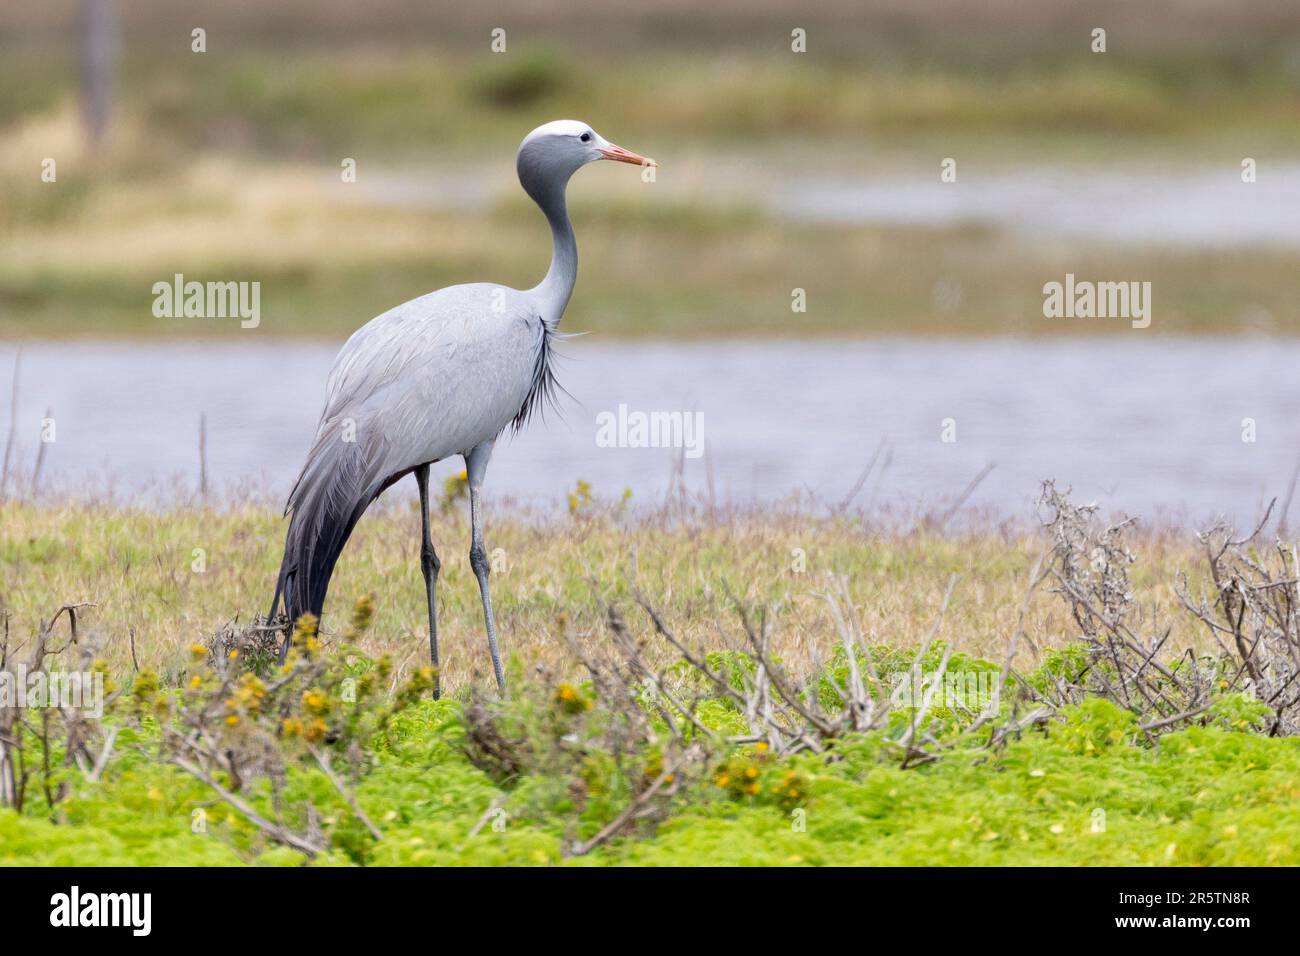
438, 376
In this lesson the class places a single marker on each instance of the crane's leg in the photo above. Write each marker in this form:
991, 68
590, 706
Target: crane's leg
430, 565
475, 468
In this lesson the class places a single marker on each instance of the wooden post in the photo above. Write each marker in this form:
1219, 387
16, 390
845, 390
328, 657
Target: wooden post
97, 56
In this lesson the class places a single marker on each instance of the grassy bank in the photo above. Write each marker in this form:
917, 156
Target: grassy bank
548, 774
227, 166
1189, 803
326, 265
169, 576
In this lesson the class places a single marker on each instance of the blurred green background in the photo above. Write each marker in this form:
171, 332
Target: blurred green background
226, 164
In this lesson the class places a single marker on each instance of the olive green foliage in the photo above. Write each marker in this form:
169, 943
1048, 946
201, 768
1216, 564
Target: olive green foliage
1087, 789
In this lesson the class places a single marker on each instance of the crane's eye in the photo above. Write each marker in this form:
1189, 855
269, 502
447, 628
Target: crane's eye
585, 137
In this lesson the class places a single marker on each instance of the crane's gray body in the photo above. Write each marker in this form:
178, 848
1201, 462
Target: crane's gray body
432, 378
438, 376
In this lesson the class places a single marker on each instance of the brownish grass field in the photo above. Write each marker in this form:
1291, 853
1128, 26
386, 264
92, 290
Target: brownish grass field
138, 567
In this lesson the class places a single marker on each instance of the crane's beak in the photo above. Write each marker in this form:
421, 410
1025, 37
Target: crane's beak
620, 155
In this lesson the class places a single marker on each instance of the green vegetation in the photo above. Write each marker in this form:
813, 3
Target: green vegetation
170, 575
1083, 791
345, 751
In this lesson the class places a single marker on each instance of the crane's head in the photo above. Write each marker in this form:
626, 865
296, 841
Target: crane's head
552, 153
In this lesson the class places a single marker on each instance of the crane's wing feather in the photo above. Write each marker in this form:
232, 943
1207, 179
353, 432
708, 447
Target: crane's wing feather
434, 377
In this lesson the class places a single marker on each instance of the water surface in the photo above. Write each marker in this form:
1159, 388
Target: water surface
1149, 426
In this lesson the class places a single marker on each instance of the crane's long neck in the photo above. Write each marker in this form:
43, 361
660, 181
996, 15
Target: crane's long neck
554, 290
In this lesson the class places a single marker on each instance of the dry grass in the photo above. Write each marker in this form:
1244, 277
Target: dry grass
675, 259
137, 566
